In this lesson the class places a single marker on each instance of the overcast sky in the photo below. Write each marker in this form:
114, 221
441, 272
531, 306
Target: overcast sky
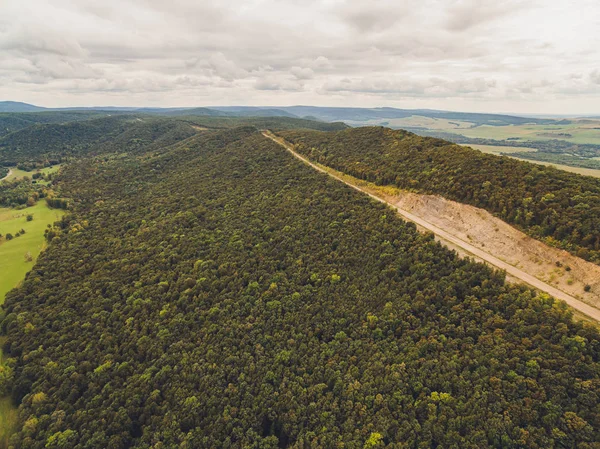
473, 55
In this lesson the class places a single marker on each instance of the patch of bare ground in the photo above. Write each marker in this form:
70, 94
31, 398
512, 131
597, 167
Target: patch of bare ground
481, 229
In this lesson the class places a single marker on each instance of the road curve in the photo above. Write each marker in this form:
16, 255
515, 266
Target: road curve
584, 308
7, 175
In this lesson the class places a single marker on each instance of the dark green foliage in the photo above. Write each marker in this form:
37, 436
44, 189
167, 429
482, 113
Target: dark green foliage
43, 145
10, 122
558, 207
273, 123
22, 192
224, 295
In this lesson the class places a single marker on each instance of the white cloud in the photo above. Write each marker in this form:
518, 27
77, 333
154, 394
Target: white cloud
492, 55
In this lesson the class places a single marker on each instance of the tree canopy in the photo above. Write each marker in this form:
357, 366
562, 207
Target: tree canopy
219, 293
557, 207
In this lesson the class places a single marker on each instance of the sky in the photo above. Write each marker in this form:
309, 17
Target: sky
509, 56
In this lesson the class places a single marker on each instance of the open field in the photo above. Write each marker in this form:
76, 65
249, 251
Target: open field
12, 253
416, 121
580, 132
492, 149
16, 173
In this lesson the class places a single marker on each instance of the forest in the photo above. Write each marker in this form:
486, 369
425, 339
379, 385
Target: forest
557, 207
41, 145
219, 293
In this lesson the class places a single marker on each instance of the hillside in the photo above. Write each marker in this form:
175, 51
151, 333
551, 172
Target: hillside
558, 207
44, 144
17, 106
39, 145
219, 293
10, 122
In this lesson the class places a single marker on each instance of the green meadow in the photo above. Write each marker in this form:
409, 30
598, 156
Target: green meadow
16, 173
13, 264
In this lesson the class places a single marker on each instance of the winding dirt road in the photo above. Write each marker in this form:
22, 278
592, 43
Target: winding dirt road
7, 175
521, 275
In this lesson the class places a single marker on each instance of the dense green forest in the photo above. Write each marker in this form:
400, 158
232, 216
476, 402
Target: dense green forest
10, 121
560, 208
42, 145
221, 294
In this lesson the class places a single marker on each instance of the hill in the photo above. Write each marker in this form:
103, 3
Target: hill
560, 208
219, 293
357, 115
17, 106
11, 122
44, 144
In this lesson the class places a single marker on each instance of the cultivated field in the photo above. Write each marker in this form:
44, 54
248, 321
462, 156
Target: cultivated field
580, 132
415, 121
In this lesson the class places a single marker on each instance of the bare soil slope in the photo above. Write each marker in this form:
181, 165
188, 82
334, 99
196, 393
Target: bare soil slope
483, 230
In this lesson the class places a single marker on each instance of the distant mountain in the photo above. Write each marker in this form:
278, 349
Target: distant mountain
354, 116
256, 111
17, 106
367, 114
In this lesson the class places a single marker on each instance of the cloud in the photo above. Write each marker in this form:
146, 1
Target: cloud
411, 87
225, 68
416, 53
302, 73
274, 82
464, 15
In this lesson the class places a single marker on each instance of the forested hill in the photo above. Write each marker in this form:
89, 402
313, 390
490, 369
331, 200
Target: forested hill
221, 294
560, 208
50, 143
10, 122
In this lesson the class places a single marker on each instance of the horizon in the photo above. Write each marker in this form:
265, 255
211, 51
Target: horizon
100, 107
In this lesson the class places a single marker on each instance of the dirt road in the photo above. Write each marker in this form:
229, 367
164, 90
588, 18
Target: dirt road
515, 272
7, 175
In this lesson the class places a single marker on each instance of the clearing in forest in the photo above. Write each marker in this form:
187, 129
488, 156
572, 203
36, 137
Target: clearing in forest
13, 263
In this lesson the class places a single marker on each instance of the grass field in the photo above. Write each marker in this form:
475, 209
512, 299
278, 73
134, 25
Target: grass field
580, 132
500, 149
15, 173
12, 253
415, 121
